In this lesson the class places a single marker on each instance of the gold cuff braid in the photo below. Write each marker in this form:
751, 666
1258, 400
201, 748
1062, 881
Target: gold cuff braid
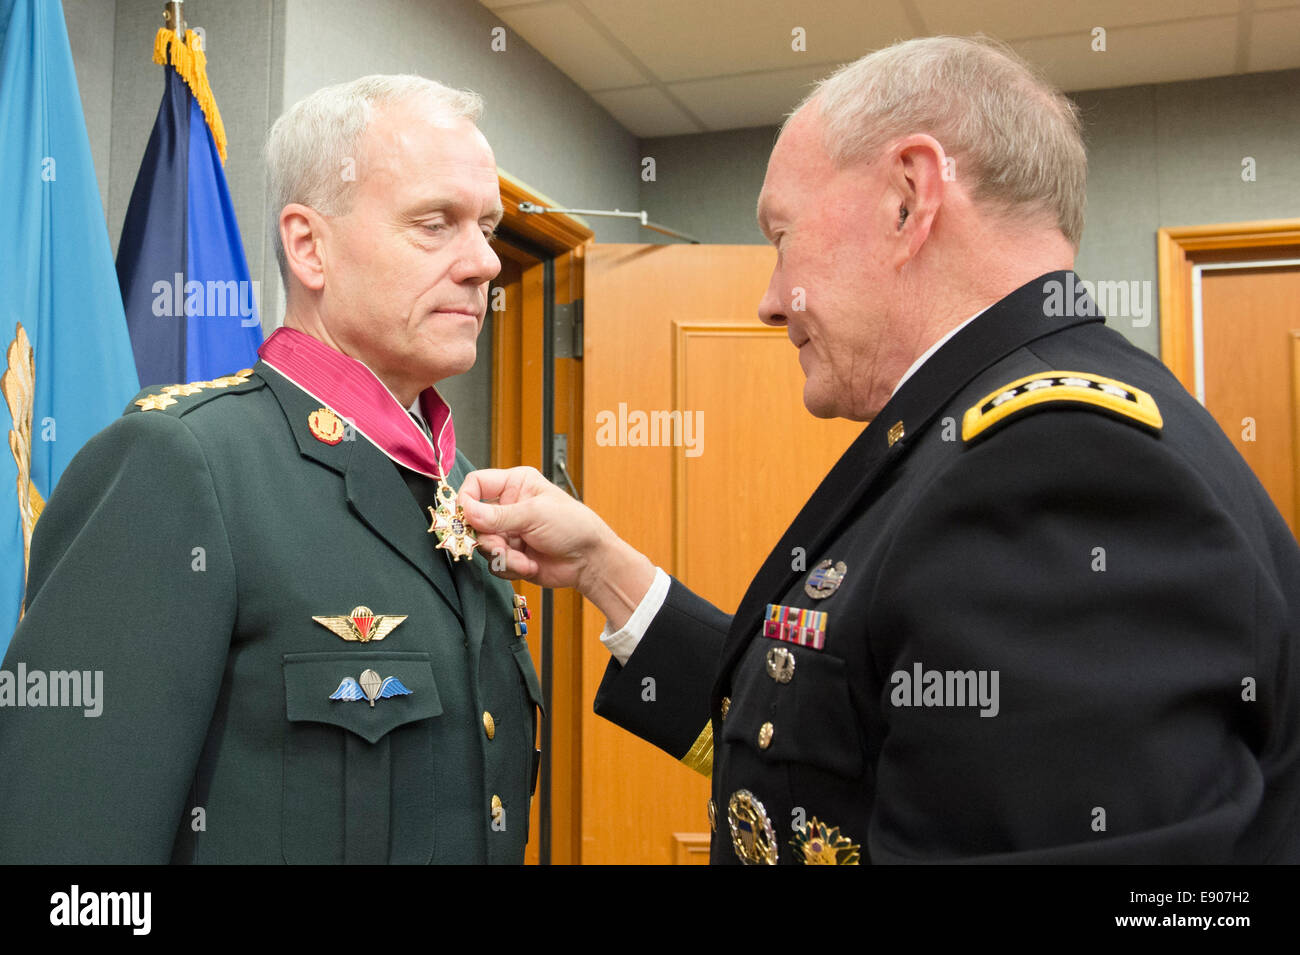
700, 756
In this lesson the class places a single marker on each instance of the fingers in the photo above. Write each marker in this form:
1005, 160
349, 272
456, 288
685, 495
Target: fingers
485, 518
511, 520
485, 484
489, 484
506, 562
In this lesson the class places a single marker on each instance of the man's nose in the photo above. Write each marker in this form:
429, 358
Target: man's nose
477, 262
771, 310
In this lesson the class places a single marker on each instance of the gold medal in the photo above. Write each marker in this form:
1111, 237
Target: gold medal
819, 844
449, 523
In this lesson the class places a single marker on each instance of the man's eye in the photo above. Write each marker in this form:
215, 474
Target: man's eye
490, 234
435, 226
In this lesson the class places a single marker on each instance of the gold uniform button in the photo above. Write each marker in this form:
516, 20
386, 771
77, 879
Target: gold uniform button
496, 806
765, 735
489, 725
726, 705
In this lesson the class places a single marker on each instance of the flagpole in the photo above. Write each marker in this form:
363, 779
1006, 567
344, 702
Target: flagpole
174, 17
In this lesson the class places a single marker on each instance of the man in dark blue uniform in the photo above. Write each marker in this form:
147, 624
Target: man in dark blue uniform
1040, 610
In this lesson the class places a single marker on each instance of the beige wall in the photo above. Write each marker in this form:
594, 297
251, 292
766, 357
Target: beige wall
1159, 155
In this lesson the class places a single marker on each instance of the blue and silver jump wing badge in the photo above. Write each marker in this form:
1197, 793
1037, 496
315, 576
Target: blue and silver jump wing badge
370, 687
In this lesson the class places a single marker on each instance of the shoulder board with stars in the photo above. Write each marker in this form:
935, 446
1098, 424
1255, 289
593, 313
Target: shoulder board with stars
173, 398
1067, 388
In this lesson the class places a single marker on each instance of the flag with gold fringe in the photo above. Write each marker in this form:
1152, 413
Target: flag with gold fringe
190, 305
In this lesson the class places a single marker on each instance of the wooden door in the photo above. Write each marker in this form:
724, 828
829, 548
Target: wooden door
704, 484
1250, 329
1230, 332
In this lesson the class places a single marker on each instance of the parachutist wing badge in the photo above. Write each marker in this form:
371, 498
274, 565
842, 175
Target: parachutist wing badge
370, 687
392, 686
349, 689
361, 625
386, 624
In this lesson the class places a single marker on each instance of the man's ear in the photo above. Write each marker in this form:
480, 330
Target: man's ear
301, 233
917, 171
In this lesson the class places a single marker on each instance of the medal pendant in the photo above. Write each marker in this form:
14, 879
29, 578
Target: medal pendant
448, 523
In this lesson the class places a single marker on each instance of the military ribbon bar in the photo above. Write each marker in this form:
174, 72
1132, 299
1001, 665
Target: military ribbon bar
795, 625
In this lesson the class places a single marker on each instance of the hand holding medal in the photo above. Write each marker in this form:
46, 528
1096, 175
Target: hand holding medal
533, 530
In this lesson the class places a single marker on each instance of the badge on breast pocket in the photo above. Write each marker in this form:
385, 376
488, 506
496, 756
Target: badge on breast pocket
370, 687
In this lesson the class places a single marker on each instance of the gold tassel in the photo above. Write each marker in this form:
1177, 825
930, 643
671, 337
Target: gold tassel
191, 63
18, 385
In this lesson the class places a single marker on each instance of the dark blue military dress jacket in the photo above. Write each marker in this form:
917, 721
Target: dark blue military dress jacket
1040, 611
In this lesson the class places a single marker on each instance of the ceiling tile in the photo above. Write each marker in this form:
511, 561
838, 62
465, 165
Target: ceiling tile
646, 111
503, 4
565, 38
1016, 19
1136, 55
690, 39
730, 63
1274, 40
754, 99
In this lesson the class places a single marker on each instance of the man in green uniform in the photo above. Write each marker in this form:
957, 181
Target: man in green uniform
294, 669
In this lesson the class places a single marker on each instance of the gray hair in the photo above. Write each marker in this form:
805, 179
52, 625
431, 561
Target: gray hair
1016, 138
308, 148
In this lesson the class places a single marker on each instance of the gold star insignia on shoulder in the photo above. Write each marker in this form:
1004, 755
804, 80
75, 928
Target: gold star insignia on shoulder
819, 844
155, 402
226, 381
1078, 389
185, 390
361, 625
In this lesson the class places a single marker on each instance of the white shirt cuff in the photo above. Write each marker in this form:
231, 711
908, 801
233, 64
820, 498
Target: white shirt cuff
622, 642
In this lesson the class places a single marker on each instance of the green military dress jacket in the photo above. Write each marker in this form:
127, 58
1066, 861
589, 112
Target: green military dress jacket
185, 554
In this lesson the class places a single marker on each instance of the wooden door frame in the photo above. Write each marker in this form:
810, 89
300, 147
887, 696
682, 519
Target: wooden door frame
1178, 251
519, 380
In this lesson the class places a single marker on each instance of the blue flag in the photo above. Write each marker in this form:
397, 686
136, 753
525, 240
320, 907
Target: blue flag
190, 305
65, 360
